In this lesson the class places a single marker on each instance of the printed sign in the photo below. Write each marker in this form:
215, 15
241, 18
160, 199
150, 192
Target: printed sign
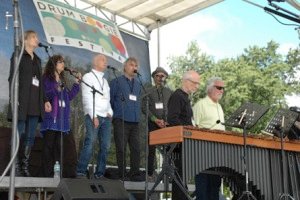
69, 26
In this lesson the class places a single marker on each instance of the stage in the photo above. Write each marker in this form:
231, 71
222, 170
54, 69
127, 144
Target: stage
41, 186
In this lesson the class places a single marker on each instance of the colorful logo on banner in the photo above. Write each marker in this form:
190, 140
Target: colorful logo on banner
69, 26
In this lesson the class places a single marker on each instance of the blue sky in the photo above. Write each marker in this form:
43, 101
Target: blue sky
224, 30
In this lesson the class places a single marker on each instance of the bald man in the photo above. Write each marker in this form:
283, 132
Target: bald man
180, 113
97, 122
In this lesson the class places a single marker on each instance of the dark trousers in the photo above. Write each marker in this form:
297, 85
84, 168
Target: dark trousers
177, 194
207, 186
131, 136
152, 148
51, 152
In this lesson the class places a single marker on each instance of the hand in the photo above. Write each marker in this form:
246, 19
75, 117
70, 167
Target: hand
109, 115
96, 122
48, 107
160, 123
78, 77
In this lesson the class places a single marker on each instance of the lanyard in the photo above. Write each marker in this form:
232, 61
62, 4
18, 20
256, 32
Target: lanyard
159, 93
101, 86
131, 86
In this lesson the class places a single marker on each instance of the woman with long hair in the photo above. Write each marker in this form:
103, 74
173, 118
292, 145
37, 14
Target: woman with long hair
57, 121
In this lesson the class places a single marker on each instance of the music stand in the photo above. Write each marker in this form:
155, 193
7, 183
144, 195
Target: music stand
245, 117
280, 125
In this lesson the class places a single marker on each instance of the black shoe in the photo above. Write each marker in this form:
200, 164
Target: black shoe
137, 177
100, 177
25, 161
18, 171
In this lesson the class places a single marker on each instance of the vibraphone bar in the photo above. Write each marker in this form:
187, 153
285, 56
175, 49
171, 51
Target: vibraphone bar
220, 152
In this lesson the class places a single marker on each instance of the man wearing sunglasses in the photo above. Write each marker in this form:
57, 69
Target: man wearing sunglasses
208, 113
158, 96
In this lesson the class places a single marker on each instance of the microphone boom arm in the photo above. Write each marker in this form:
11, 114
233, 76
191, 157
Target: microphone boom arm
82, 81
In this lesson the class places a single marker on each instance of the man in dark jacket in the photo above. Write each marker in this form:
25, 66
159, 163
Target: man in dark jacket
158, 97
180, 113
31, 103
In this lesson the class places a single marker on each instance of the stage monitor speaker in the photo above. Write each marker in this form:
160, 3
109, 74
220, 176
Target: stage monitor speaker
90, 189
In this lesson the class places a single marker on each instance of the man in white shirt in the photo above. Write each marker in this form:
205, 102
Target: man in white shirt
208, 113
98, 124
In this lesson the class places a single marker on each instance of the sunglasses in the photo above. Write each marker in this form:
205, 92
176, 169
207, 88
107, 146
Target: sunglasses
60, 61
219, 87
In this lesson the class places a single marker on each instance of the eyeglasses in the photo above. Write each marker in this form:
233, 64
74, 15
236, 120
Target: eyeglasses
61, 61
219, 87
196, 83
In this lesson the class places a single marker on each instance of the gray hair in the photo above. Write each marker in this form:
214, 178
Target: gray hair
188, 75
210, 83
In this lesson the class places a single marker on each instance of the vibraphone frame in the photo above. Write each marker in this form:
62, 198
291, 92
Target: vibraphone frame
219, 152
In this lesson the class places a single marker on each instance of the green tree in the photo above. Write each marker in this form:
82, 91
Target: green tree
259, 75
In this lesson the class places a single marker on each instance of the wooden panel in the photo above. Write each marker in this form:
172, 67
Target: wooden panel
167, 135
176, 134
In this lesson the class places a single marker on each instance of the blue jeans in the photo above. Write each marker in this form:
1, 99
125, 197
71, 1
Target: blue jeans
104, 135
27, 129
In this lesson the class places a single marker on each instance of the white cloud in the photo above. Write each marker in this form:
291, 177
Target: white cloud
174, 37
204, 28
293, 100
285, 47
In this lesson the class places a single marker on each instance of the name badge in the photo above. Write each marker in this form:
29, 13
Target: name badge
61, 103
132, 97
35, 81
159, 105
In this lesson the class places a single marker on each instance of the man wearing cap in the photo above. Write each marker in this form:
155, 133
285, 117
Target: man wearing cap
158, 97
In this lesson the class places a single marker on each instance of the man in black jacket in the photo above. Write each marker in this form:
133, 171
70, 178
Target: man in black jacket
31, 103
180, 113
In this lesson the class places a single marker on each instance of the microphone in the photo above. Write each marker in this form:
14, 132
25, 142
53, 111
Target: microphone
219, 122
136, 72
112, 68
45, 46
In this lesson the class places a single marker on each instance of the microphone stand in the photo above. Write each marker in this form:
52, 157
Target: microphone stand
62, 87
15, 94
284, 195
291, 18
61, 127
248, 194
146, 138
94, 91
164, 150
123, 125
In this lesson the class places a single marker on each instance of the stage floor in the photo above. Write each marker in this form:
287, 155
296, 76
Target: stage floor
50, 184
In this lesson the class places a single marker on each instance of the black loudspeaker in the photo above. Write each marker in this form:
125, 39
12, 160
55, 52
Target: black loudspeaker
90, 189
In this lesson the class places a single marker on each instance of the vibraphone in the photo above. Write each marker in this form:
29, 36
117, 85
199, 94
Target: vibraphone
221, 152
